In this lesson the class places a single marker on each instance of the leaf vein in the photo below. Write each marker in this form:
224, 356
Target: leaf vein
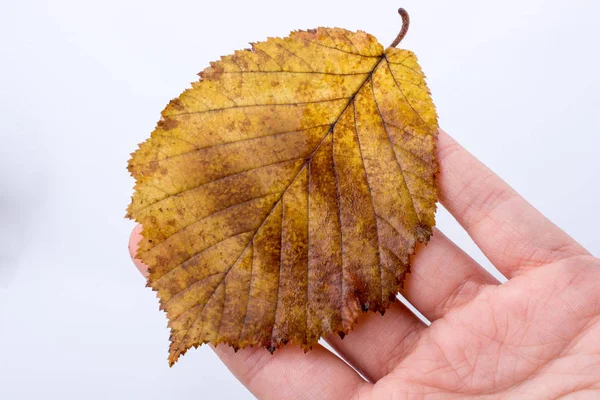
198, 254
340, 50
403, 94
339, 214
178, 194
372, 202
245, 106
394, 151
294, 54
277, 134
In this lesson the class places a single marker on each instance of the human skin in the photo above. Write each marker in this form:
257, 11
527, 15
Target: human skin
536, 336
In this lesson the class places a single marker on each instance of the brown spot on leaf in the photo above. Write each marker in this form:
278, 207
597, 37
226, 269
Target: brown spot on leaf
167, 123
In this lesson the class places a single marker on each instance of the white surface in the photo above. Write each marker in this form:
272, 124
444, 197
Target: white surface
81, 83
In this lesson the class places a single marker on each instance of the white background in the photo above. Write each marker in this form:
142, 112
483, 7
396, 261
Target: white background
82, 82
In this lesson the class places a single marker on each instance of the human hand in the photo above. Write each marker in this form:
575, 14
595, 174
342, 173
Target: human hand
536, 336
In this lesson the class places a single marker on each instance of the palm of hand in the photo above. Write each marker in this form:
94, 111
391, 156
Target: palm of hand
534, 336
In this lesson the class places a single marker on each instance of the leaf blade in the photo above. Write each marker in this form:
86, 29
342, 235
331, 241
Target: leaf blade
285, 192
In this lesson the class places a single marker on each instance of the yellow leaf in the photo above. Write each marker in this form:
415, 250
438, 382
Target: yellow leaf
285, 191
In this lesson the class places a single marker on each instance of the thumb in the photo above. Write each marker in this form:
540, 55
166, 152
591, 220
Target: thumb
134, 244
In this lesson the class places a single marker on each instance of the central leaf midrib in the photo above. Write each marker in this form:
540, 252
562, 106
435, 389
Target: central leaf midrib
309, 158
304, 165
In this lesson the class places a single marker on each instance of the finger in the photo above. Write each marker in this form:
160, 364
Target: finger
509, 231
378, 343
292, 374
443, 277
134, 244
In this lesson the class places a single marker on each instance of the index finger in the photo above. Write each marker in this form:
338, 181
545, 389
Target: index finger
510, 232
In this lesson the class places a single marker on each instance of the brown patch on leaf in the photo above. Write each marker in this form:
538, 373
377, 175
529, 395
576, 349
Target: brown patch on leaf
167, 124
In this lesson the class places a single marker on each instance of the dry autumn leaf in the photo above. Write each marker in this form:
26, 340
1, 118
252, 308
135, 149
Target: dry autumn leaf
285, 192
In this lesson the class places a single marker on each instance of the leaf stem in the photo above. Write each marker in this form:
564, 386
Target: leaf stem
405, 25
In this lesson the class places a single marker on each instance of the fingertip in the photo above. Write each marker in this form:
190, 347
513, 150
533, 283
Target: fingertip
134, 244
444, 140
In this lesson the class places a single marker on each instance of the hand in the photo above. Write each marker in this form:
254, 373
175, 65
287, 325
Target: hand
536, 336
